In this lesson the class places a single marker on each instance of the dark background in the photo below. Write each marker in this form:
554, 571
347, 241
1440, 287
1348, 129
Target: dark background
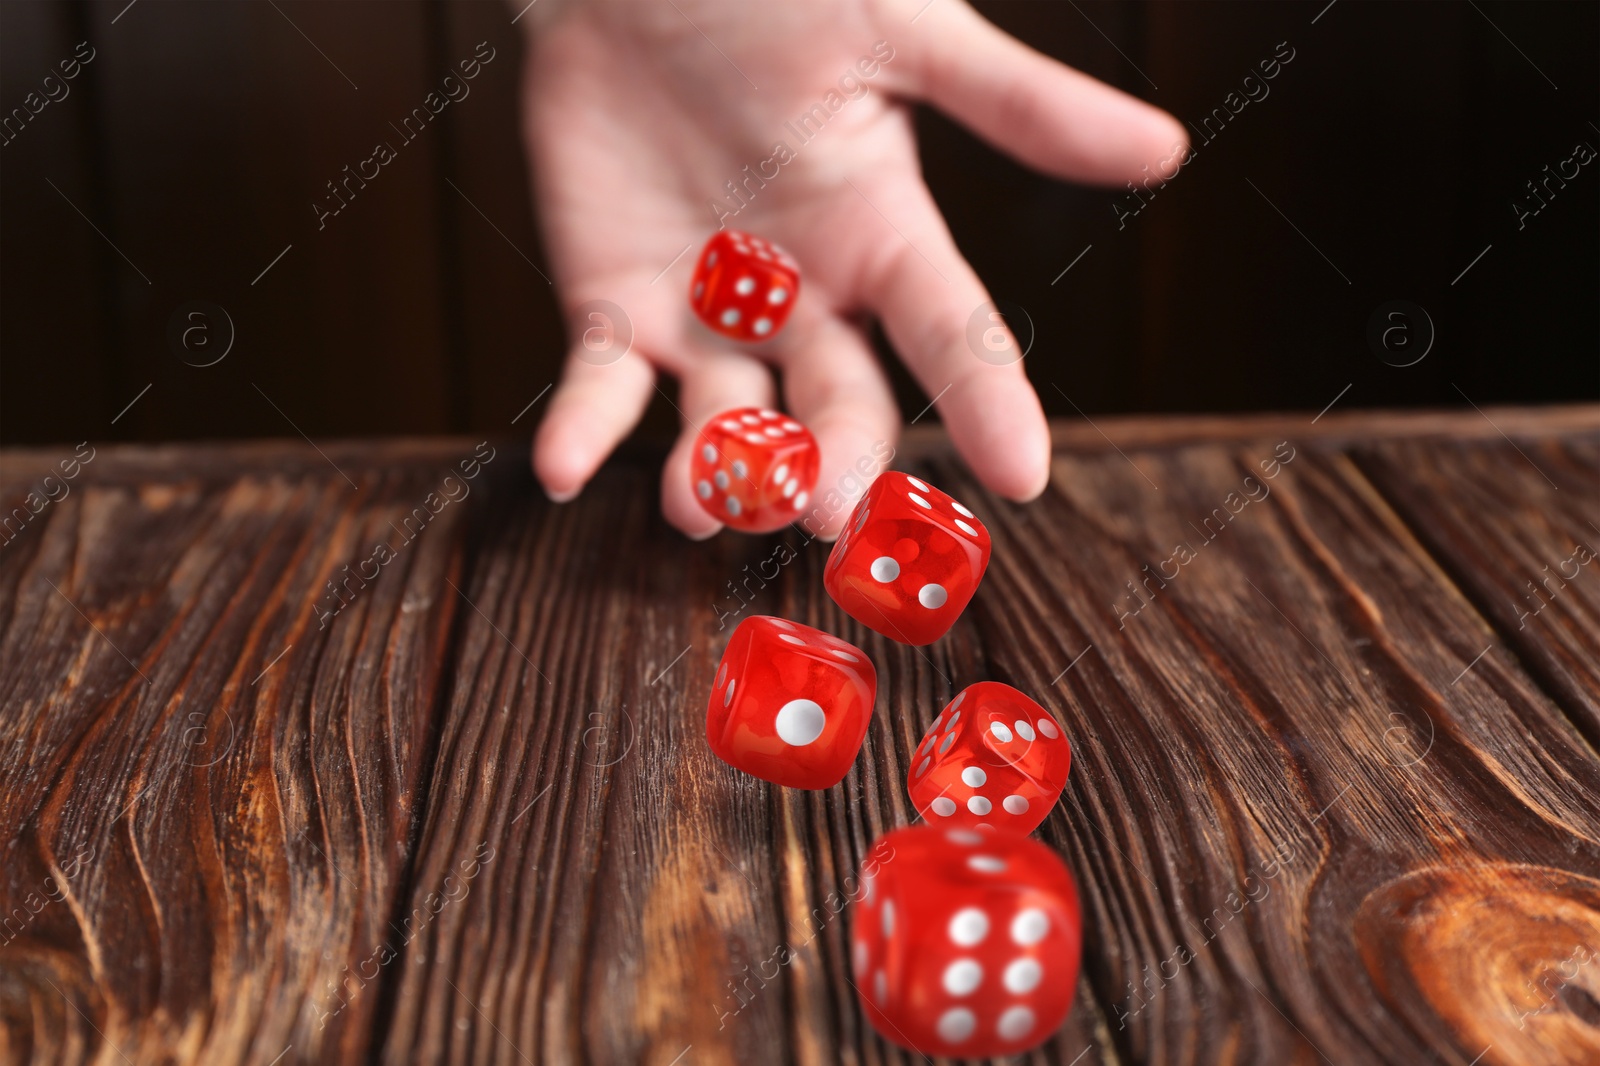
196, 140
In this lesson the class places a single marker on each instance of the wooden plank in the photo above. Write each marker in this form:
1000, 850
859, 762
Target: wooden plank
1292, 760
497, 281
56, 271
1307, 762
644, 902
226, 124
1519, 532
206, 798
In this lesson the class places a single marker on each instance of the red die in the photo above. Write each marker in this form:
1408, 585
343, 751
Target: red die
966, 944
908, 561
992, 759
790, 703
754, 469
744, 286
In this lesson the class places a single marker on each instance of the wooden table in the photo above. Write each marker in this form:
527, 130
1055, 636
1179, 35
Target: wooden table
1333, 798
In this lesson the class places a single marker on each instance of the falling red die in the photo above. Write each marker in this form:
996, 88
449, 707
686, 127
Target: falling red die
743, 286
908, 561
754, 469
965, 944
789, 703
993, 759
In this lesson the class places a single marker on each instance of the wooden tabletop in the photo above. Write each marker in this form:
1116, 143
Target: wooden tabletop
1332, 686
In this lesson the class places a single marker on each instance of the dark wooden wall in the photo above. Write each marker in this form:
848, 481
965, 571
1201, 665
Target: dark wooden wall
187, 154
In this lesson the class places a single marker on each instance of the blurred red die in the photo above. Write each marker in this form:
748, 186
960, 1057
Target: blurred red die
754, 469
965, 944
743, 286
993, 759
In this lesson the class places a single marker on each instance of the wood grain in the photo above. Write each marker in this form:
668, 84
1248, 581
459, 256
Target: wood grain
1326, 805
1519, 531
1300, 720
207, 799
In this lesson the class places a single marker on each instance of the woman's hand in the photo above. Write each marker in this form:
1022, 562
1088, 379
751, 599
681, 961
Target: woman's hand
639, 112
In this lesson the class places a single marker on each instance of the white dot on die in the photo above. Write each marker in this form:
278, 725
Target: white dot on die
702, 489
777, 295
968, 530
722, 672
734, 507
773, 431
957, 701
727, 697
960, 509
923, 485
755, 438
739, 469
699, 287
745, 286
923, 768
888, 917
792, 639
932, 596
962, 977
1015, 1023
840, 654
779, 474
1048, 728
721, 478
880, 987
799, 722
963, 836
780, 623
944, 806
1022, 976
793, 427
1024, 730
800, 500
949, 738
729, 424
730, 316
951, 724
711, 260
986, 864
750, 420
769, 414
790, 486
1029, 926
979, 806
974, 776
884, 569
955, 1025
969, 926
762, 326
918, 500
708, 453
1015, 804
1001, 733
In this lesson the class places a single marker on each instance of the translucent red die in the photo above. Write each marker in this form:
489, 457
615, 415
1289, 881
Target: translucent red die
908, 561
965, 944
790, 704
993, 759
754, 469
743, 286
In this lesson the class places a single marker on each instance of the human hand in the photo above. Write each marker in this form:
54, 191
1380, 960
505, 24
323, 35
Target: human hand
635, 123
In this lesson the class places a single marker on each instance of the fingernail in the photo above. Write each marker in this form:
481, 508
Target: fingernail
704, 536
563, 497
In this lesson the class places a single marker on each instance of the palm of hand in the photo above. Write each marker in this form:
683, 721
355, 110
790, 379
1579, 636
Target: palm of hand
636, 124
